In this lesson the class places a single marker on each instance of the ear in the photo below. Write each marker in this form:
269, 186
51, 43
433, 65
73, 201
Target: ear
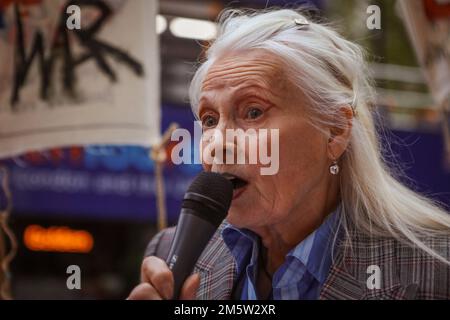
340, 134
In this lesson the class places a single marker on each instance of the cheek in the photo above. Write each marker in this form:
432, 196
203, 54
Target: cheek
303, 163
303, 150
257, 205
266, 204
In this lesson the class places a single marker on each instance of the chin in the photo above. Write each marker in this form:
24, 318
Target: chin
233, 217
237, 217
243, 218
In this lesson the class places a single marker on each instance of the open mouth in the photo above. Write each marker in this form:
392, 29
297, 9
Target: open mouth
235, 180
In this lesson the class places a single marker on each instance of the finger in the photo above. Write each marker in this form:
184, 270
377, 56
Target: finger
190, 287
150, 265
157, 273
144, 291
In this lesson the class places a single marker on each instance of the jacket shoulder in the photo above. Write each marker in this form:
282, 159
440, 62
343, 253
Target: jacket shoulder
430, 274
402, 267
159, 245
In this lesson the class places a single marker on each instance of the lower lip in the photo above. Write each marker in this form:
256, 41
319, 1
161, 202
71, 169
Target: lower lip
238, 192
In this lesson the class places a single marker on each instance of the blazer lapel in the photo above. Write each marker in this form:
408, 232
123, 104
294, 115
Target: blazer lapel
217, 270
340, 284
349, 273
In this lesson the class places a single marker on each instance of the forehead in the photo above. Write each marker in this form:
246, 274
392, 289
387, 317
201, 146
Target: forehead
250, 68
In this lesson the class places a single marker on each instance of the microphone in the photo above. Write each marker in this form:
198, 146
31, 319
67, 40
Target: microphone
203, 209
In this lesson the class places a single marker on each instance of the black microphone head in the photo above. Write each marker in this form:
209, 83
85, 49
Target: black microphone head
209, 195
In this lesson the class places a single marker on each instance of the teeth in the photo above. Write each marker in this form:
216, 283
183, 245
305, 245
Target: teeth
236, 181
228, 176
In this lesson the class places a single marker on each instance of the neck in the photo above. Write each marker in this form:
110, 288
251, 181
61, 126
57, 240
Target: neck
280, 238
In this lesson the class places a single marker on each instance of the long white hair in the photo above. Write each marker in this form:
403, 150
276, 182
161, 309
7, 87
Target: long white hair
331, 71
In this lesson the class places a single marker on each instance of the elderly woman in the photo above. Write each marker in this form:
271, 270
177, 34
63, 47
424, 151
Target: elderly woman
333, 222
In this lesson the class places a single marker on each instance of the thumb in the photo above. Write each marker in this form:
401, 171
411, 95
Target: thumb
190, 287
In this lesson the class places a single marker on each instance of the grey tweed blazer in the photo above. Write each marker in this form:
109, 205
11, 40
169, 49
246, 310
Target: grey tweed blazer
405, 272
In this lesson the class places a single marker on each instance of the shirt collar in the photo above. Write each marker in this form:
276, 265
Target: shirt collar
242, 243
314, 252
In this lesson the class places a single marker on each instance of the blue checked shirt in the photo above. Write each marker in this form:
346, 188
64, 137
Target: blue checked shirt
302, 274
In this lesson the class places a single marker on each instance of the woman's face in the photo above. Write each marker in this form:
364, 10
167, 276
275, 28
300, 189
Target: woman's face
250, 91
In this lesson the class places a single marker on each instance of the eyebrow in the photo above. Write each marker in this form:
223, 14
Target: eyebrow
240, 95
246, 87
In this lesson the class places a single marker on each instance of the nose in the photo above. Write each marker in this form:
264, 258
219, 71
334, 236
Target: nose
216, 150
223, 152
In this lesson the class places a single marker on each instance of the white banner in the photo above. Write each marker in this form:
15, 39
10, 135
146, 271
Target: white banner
60, 85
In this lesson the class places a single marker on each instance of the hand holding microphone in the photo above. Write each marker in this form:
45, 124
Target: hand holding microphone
158, 282
204, 207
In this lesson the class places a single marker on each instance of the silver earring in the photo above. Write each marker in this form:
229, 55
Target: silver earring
334, 168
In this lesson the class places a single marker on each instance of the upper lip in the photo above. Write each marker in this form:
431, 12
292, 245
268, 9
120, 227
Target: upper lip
236, 180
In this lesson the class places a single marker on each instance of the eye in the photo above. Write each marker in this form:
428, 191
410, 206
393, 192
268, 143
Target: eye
208, 121
253, 113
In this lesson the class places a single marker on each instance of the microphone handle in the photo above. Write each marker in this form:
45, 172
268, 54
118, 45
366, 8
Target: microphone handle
191, 237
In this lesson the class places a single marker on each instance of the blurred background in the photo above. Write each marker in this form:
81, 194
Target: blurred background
95, 205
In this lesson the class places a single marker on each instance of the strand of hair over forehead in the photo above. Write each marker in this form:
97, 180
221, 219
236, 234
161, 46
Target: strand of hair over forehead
331, 71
